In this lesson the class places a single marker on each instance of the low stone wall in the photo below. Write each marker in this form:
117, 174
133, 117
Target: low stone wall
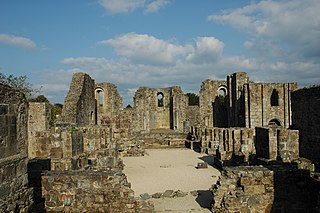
163, 138
261, 189
15, 196
88, 191
228, 142
244, 189
277, 143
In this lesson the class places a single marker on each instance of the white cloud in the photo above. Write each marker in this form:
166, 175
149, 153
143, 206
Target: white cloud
17, 41
156, 5
142, 48
293, 25
124, 6
208, 50
120, 6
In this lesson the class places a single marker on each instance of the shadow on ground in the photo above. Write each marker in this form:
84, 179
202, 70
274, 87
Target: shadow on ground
204, 199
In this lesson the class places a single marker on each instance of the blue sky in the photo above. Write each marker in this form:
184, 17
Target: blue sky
159, 43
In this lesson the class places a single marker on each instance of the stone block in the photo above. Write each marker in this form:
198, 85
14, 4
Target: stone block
4, 109
202, 165
254, 189
56, 153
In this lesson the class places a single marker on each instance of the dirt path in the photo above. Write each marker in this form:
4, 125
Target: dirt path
172, 169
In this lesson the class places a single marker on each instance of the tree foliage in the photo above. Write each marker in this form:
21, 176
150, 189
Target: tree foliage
39, 98
18, 82
193, 99
56, 111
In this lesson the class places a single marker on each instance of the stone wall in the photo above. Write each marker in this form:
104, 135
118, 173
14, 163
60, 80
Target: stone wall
212, 111
239, 102
260, 189
126, 122
228, 143
268, 104
192, 117
14, 194
236, 101
159, 108
109, 105
87, 191
306, 118
80, 104
277, 143
38, 120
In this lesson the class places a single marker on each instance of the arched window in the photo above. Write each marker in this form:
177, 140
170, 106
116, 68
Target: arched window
274, 99
222, 92
99, 97
160, 97
274, 122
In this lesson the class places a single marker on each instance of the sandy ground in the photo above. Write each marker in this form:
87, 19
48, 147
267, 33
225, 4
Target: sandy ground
163, 169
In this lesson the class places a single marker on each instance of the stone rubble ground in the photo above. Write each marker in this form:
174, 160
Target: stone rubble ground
170, 179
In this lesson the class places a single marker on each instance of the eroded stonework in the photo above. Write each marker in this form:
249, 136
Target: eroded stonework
261, 129
15, 196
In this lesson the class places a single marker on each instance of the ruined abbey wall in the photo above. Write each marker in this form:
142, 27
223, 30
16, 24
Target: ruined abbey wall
277, 143
88, 191
212, 110
238, 102
265, 189
229, 142
80, 105
159, 108
38, 121
14, 194
268, 104
306, 119
109, 105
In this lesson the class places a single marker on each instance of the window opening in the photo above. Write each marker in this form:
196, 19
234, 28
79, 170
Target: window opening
100, 97
160, 99
274, 98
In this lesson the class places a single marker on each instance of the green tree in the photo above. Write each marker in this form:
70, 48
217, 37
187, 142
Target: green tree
193, 99
39, 98
20, 83
56, 111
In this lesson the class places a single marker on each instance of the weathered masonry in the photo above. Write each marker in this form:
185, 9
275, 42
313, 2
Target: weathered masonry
267, 131
15, 195
306, 118
239, 102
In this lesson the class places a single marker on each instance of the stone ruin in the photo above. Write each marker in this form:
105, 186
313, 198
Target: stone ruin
264, 137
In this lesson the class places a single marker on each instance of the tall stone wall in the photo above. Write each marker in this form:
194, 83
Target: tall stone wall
80, 104
109, 105
38, 121
268, 103
212, 110
159, 108
236, 102
126, 122
306, 118
180, 105
14, 194
192, 117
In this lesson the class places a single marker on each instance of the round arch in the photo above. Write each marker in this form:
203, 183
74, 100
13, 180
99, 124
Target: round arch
274, 122
222, 90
